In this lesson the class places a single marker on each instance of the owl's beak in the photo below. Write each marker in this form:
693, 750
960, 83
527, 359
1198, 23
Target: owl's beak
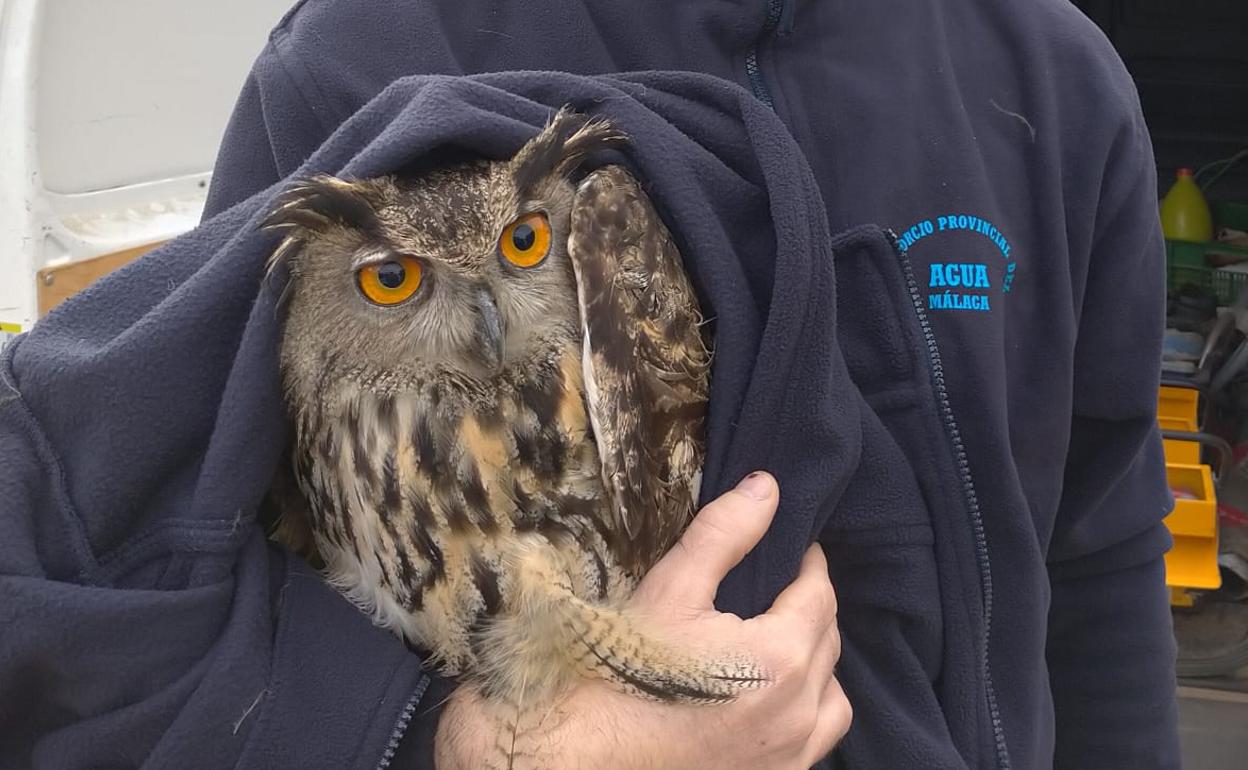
489, 331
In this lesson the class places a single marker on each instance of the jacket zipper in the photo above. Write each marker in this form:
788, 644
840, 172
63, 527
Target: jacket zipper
968, 492
400, 726
752, 70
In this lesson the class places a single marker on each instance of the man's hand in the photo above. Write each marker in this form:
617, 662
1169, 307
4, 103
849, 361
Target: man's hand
789, 724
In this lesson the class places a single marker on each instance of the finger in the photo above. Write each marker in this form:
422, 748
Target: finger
836, 714
824, 657
716, 540
810, 597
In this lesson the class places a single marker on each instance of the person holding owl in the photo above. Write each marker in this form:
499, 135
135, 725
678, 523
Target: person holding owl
957, 399
972, 117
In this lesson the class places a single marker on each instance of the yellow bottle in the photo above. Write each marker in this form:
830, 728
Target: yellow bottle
1185, 212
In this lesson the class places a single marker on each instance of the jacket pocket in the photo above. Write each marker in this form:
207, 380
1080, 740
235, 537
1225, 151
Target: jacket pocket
884, 503
900, 548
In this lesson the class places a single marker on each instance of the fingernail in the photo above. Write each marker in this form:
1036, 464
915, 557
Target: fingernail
757, 485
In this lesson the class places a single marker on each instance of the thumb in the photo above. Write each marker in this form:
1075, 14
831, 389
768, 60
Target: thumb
717, 540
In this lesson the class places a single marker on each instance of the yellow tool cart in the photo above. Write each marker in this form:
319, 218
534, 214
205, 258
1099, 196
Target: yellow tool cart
1192, 564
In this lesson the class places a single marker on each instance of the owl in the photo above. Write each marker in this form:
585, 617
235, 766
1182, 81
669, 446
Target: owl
498, 378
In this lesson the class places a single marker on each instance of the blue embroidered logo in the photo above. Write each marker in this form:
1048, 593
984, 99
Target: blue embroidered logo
961, 285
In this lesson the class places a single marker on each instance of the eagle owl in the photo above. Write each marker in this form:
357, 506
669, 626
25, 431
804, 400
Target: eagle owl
498, 380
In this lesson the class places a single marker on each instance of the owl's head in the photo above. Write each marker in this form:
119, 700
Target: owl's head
462, 268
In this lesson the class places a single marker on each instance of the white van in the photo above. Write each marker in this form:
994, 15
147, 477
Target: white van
110, 116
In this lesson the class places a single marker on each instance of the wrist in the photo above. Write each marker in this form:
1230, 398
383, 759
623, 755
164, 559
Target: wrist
579, 732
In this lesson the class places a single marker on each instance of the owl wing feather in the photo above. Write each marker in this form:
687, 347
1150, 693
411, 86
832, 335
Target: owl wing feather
646, 363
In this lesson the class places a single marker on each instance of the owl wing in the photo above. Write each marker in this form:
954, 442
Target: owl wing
645, 362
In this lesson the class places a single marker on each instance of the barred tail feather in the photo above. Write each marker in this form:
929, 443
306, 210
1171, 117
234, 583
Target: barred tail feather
551, 637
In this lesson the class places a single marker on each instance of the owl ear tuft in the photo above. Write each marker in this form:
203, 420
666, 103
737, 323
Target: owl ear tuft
566, 141
320, 202
312, 206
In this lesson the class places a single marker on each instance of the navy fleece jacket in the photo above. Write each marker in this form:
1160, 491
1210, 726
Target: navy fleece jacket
966, 421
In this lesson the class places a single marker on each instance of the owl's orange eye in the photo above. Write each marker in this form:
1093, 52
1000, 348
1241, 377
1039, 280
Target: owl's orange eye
525, 241
390, 282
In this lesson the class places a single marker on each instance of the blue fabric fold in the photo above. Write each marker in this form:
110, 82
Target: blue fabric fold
141, 424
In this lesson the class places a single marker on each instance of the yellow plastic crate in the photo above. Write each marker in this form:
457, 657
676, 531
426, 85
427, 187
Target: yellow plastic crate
1178, 405
1193, 561
1179, 452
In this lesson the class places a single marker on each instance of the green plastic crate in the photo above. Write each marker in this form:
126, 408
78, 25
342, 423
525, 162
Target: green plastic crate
1196, 263
1187, 263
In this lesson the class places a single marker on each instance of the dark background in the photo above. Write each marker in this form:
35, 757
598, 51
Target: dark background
1189, 59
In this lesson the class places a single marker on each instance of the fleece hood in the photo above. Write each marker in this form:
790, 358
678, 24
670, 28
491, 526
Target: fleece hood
143, 420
